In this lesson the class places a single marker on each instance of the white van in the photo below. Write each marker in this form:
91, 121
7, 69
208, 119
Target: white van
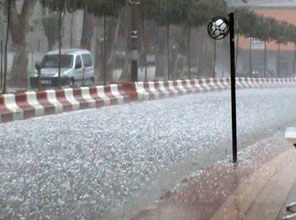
77, 68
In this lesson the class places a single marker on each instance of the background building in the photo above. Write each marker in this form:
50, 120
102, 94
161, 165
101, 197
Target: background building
280, 57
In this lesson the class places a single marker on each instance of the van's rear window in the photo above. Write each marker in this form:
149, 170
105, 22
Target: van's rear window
87, 60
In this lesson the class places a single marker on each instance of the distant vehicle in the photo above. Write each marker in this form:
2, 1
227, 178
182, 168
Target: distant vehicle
76, 68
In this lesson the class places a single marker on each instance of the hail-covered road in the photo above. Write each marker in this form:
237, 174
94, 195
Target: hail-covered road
106, 163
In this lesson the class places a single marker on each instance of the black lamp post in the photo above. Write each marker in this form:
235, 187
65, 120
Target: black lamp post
218, 29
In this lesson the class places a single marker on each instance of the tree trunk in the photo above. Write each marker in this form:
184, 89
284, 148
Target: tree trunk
215, 57
99, 52
89, 23
160, 54
189, 51
144, 44
5, 47
104, 46
19, 27
160, 49
294, 60
51, 45
168, 51
265, 58
1, 66
250, 58
112, 32
202, 53
71, 30
160, 65
51, 30
278, 61
237, 51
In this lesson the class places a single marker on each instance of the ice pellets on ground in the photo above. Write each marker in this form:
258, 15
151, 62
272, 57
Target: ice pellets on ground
80, 164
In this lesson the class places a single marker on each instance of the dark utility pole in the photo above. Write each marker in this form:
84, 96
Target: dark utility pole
6, 46
1, 65
233, 90
134, 36
60, 42
104, 51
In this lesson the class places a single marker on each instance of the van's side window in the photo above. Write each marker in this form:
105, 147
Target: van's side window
87, 60
78, 63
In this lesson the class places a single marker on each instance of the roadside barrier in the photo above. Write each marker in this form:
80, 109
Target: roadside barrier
33, 104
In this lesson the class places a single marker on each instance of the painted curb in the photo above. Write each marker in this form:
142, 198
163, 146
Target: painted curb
33, 104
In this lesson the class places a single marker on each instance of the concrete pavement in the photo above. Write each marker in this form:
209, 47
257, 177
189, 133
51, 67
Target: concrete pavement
226, 192
262, 195
83, 164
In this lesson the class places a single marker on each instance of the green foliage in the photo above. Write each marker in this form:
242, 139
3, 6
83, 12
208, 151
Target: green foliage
187, 12
96, 7
250, 24
166, 11
205, 10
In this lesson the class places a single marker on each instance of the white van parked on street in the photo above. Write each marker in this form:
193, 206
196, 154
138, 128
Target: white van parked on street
77, 68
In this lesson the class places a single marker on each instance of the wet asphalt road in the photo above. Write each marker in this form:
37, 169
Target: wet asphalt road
107, 163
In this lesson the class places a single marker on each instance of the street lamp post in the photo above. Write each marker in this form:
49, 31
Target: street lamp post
233, 90
218, 29
134, 40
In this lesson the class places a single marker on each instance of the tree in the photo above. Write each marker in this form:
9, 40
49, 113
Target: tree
3, 86
189, 13
111, 10
292, 38
165, 13
19, 27
91, 10
51, 29
266, 36
200, 15
245, 21
253, 25
283, 38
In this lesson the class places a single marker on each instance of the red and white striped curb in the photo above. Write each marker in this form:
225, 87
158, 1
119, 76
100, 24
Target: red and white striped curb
33, 104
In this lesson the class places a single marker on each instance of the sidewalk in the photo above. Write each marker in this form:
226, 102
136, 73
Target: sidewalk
225, 192
264, 193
